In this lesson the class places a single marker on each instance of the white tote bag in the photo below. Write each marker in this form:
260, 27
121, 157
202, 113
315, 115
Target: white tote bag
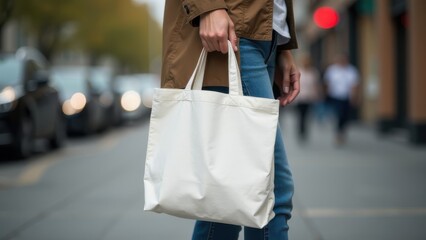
210, 154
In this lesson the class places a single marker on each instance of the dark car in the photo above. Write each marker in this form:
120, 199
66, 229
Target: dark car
29, 106
135, 93
80, 102
101, 79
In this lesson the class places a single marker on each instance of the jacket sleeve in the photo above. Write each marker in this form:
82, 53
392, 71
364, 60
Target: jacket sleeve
194, 8
292, 44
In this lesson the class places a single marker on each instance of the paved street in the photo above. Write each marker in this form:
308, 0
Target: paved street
372, 188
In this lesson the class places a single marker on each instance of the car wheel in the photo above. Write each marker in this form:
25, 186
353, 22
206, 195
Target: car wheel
60, 134
25, 138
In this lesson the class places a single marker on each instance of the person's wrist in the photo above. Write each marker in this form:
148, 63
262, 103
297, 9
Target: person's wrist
287, 57
283, 57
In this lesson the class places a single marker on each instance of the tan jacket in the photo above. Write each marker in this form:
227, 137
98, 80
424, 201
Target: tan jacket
182, 43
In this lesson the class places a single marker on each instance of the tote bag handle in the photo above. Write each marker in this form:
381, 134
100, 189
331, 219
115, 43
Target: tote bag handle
234, 76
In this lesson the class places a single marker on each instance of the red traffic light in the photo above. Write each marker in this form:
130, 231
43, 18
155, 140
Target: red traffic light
326, 17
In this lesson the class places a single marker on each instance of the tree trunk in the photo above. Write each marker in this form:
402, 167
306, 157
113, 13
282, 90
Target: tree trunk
6, 7
93, 59
1, 39
48, 39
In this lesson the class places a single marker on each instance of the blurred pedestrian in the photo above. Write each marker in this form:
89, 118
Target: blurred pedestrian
342, 80
322, 108
308, 96
262, 33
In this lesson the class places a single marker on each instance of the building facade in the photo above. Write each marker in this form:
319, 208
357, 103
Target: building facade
384, 41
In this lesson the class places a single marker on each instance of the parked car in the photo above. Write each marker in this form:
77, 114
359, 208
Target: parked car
135, 93
102, 78
79, 99
29, 106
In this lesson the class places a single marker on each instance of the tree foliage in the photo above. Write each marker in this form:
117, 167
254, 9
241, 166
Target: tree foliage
117, 28
45, 19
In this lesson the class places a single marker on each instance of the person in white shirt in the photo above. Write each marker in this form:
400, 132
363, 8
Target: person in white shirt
342, 80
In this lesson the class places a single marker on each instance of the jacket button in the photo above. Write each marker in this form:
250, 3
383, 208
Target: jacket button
186, 9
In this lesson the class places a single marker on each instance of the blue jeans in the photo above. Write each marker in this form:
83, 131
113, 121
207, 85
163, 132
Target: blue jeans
257, 69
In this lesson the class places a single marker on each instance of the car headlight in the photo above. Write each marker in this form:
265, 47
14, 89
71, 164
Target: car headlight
7, 95
130, 101
75, 104
7, 98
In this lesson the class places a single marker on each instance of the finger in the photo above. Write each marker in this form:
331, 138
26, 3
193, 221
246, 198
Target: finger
286, 98
205, 41
205, 45
223, 45
286, 81
232, 36
293, 94
214, 42
295, 79
284, 101
210, 46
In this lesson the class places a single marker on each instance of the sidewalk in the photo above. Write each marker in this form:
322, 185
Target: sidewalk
370, 188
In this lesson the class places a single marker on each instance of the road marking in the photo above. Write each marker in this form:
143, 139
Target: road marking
362, 212
110, 141
33, 173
